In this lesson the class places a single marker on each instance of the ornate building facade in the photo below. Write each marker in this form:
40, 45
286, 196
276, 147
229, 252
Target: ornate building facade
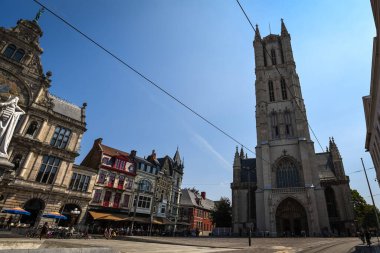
47, 138
288, 189
133, 189
116, 172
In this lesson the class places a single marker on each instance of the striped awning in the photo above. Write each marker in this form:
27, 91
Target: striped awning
109, 216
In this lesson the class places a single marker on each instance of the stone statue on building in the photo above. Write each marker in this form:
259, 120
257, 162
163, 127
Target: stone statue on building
9, 115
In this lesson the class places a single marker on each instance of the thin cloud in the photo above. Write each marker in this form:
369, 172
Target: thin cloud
205, 145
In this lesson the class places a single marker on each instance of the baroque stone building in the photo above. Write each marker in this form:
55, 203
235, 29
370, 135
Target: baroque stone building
288, 188
47, 138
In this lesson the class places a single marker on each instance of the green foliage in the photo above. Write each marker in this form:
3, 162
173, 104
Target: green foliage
364, 213
222, 214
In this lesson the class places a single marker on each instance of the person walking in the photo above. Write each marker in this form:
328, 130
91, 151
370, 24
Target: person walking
106, 233
367, 235
44, 230
9, 222
361, 236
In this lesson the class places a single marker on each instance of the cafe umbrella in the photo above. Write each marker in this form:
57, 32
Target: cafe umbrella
55, 215
16, 210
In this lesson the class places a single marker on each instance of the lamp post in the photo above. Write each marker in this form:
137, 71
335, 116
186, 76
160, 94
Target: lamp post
373, 203
154, 206
136, 203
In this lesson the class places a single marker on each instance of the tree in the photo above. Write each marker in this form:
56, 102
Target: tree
364, 213
222, 213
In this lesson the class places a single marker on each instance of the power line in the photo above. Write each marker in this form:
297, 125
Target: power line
150, 81
357, 171
294, 97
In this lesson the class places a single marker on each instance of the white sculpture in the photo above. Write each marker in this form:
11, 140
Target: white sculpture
9, 115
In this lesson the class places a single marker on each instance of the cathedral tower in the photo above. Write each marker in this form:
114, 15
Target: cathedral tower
294, 189
287, 174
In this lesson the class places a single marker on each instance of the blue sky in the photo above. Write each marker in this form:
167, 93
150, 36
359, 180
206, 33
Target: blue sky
201, 52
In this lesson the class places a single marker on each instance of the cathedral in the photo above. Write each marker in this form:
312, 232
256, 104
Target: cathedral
288, 189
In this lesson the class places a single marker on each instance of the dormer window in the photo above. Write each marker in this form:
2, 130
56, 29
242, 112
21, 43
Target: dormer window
105, 160
32, 129
11, 53
18, 55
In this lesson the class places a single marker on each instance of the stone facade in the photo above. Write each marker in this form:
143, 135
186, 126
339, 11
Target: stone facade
288, 189
47, 138
372, 101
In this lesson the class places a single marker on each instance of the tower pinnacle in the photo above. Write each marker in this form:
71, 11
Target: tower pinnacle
257, 33
284, 31
38, 15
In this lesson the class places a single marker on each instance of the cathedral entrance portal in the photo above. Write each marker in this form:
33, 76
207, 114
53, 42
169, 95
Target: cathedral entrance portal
291, 218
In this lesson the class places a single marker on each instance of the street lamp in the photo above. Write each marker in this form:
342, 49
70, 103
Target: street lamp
154, 208
135, 203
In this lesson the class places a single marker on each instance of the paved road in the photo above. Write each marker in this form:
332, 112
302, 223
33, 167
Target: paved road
226, 245
207, 244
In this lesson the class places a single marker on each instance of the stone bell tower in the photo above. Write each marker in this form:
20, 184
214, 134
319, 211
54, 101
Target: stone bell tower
289, 198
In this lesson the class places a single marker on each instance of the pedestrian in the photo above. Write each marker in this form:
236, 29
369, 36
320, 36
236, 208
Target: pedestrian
44, 230
9, 222
367, 235
110, 233
197, 232
106, 233
361, 236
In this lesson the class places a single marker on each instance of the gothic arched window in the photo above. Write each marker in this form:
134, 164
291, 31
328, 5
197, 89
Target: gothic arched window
288, 123
287, 174
32, 129
271, 91
274, 125
9, 51
18, 55
330, 202
273, 56
283, 89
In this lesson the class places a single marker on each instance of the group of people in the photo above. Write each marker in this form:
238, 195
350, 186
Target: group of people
365, 237
109, 233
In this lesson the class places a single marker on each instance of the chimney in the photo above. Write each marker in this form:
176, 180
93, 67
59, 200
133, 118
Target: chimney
83, 112
203, 194
98, 141
153, 154
132, 155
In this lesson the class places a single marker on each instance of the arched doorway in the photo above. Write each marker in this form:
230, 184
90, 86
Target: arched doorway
34, 206
72, 212
291, 218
